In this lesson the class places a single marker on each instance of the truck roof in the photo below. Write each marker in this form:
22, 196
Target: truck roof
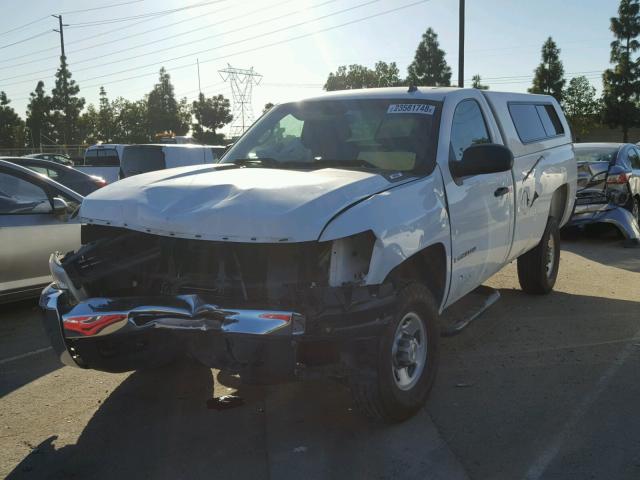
423, 93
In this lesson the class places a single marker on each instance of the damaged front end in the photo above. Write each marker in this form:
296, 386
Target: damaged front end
270, 312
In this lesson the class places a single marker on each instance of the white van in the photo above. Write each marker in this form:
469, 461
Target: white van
103, 160
138, 159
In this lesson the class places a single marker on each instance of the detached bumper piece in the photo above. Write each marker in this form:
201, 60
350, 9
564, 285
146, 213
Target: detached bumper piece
262, 345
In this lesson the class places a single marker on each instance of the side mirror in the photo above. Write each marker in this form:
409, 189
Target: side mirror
60, 206
483, 158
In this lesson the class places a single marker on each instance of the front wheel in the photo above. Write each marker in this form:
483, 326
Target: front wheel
407, 360
538, 268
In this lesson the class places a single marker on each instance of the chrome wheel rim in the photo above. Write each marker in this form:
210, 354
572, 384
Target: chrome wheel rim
409, 352
551, 253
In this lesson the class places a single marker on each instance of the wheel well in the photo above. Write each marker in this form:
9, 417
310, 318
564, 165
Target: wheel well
559, 202
428, 266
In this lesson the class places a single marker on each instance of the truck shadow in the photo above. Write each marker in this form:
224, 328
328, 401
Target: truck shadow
25, 353
155, 424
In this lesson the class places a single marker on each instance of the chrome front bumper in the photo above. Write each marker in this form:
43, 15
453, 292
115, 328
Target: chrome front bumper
86, 334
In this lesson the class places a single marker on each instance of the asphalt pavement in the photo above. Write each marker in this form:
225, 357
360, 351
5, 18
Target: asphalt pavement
536, 388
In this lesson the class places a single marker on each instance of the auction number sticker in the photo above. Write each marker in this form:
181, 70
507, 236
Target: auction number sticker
421, 108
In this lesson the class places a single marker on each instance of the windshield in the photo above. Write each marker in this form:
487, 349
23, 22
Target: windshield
378, 134
596, 154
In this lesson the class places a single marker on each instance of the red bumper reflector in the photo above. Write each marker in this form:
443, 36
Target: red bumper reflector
90, 325
275, 316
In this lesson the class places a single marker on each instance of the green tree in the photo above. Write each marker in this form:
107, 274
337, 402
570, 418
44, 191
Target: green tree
105, 126
211, 114
621, 85
359, 76
130, 121
11, 125
267, 107
39, 116
165, 113
476, 82
88, 130
429, 67
580, 105
549, 76
184, 116
66, 104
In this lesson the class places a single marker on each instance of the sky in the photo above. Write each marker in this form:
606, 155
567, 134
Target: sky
293, 44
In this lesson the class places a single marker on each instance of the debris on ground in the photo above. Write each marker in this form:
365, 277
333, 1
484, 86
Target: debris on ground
224, 402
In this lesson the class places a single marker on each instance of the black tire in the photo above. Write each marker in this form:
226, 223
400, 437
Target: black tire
635, 208
378, 396
537, 272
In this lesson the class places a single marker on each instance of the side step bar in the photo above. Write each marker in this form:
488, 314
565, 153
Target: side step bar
456, 317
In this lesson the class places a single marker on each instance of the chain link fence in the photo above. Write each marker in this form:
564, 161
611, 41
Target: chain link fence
76, 152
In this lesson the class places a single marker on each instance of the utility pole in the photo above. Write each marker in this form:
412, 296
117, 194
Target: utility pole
461, 46
61, 32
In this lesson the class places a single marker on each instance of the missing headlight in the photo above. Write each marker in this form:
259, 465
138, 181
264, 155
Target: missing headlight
350, 258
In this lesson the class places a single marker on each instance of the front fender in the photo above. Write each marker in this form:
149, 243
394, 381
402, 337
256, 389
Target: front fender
405, 220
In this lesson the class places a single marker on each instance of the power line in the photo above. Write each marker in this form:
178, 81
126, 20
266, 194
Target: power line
142, 15
69, 12
105, 64
190, 42
25, 25
272, 44
25, 39
102, 34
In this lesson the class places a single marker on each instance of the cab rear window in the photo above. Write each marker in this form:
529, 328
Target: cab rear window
142, 159
104, 157
535, 121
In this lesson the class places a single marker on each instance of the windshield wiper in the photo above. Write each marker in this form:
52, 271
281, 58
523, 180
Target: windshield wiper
258, 161
355, 163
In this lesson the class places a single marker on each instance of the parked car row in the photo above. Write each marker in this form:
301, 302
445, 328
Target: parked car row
116, 161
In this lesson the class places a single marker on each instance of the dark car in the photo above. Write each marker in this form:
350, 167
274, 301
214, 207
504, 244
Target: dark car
60, 158
608, 186
68, 176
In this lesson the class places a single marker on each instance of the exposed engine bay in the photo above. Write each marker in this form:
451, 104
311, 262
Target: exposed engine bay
117, 262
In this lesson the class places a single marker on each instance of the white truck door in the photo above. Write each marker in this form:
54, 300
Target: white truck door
480, 206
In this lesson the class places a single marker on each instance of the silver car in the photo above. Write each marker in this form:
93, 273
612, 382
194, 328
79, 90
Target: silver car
37, 216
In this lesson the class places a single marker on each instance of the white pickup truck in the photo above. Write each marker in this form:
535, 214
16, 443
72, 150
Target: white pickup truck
330, 240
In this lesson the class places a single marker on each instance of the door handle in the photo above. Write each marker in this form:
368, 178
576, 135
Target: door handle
501, 191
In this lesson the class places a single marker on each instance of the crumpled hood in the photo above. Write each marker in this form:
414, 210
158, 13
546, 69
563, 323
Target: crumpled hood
234, 204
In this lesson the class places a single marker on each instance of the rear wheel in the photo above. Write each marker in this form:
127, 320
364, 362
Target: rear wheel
538, 268
407, 360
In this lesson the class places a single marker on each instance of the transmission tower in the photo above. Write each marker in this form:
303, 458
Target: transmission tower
242, 82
